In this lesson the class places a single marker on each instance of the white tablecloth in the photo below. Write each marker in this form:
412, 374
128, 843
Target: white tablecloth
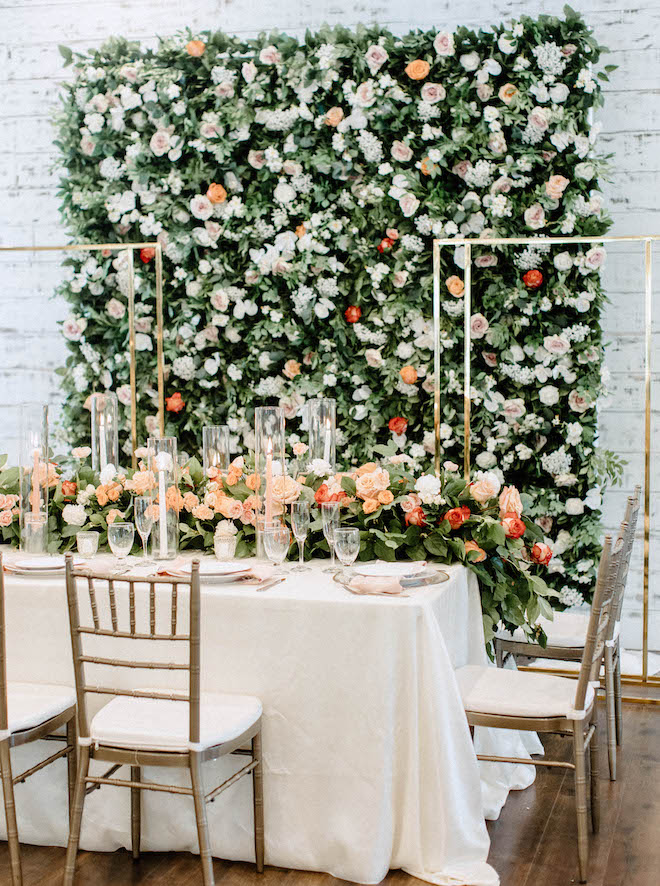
369, 764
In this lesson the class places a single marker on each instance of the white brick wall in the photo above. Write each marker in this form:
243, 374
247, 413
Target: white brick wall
31, 69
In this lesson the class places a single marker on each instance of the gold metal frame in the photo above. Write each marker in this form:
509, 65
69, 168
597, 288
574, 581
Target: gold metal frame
129, 248
468, 243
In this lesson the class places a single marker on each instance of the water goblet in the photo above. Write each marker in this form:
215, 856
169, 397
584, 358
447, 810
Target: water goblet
143, 521
300, 520
276, 543
120, 539
330, 514
347, 545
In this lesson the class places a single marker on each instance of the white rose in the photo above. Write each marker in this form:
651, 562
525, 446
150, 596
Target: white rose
574, 507
505, 45
409, 204
433, 93
470, 61
284, 193
375, 57
563, 261
401, 152
595, 258
428, 487
374, 357
535, 216
365, 95
585, 171
444, 43
270, 56
549, 395
160, 142
559, 93
513, 409
486, 460
201, 206
556, 344
478, 326
115, 309
74, 515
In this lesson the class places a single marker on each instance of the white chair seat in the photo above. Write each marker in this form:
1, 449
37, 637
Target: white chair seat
31, 704
162, 725
489, 690
568, 628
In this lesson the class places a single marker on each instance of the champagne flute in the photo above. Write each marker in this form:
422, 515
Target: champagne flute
347, 545
330, 514
276, 543
120, 539
300, 520
143, 521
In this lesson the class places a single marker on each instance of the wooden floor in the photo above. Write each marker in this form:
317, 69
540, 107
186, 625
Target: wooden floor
532, 844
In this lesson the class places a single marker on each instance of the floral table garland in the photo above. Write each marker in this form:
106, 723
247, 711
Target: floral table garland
402, 515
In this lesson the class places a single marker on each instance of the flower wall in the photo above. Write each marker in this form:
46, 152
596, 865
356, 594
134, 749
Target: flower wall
296, 187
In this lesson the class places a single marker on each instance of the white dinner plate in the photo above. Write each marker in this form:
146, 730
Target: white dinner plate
382, 569
211, 568
44, 564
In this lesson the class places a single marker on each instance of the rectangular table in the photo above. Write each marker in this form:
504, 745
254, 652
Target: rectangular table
369, 763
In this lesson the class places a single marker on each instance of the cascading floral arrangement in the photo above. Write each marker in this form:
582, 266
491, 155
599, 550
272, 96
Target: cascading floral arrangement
401, 514
296, 187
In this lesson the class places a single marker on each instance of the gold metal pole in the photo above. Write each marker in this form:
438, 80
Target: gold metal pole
131, 346
436, 353
648, 321
467, 347
79, 247
160, 358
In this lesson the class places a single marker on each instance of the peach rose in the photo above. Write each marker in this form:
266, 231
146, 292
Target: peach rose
253, 482
418, 69
507, 93
473, 546
285, 489
410, 503
510, 502
370, 505
173, 499
415, 517
202, 512
556, 185
195, 48
367, 468
5, 518
190, 501
333, 117
485, 488
233, 476
455, 286
113, 513
230, 508
408, 374
101, 496
216, 193
141, 482
369, 485
541, 553
291, 369
385, 497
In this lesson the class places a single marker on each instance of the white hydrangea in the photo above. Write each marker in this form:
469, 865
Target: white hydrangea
184, 367
74, 515
428, 488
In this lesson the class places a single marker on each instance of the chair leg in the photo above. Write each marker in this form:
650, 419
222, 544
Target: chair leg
71, 761
136, 812
617, 697
499, 654
200, 814
595, 787
579, 760
76, 816
258, 802
610, 704
10, 813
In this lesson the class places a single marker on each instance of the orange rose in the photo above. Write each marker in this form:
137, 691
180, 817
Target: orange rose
473, 546
216, 193
507, 93
333, 117
541, 553
68, 488
253, 482
457, 516
175, 403
385, 497
370, 505
301, 230
291, 369
195, 48
408, 374
513, 526
415, 517
418, 69
455, 286
426, 166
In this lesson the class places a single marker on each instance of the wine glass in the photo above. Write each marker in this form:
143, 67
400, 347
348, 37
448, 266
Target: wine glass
143, 520
276, 543
347, 545
330, 514
120, 539
300, 520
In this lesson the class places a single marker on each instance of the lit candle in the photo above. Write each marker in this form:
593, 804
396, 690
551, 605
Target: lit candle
163, 464
35, 483
269, 480
326, 448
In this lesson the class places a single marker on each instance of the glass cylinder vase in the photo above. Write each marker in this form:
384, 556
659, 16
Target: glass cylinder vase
268, 453
162, 460
321, 420
105, 427
215, 442
33, 467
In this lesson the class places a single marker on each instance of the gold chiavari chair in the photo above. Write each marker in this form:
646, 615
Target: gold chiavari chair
542, 703
148, 727
29, 712
567, 633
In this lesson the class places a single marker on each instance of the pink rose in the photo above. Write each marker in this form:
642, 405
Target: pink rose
72, 329
538, 118
486, 261
401, 152
201, 206
224, 89
87, 145
433, 93
143, 324
373, 357
251, 277
497, 143
444, 43
510, 502
399, 279
535, 216
478, 326
555, 186
595, 258
160, 142
6, 518
409, 204
410, 503
577, 402
461, 168
485, 488
256, 159
490, 358
513, 409
501, 185
249, 71
365, 95
124, 394
270, 56
115, 308
375, 58
556, 344
484, 91
208, 129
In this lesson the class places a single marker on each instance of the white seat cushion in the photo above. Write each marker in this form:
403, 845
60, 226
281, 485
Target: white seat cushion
490, 690
162, 725
30, 704
568, 628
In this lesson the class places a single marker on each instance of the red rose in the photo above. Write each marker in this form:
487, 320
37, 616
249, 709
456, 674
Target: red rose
147, 254
69, 488
353, 314
533, 279
398, 425
385, 243
513, 526
174, 403
541, 553
416, 517
457, 516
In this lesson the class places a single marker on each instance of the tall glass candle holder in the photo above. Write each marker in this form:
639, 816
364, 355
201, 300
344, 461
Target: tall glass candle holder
33, 465
105, 437
268, 452
321, 417
162, 460
215, 441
